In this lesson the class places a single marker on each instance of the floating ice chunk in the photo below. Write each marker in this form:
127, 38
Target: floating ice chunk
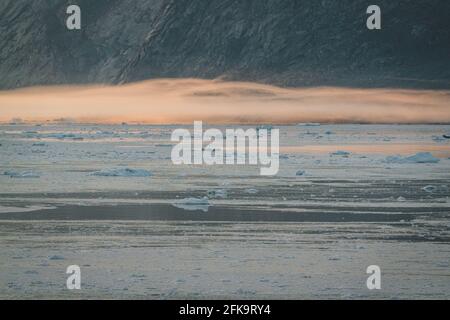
63, 136
194, 201
309, 124
439, 138
340, 153
23, 174
421, 157
39, 144
300, 173
429, 188
193, 204
220, 193
268, 127
122, 172
251, 191
56, 257
401, 199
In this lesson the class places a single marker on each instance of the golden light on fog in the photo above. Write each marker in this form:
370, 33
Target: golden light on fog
185, 100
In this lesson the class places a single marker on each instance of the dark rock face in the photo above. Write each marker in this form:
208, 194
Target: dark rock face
283, 42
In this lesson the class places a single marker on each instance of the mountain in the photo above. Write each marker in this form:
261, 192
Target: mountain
283, 42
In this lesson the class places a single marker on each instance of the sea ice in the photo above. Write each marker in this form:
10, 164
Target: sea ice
300, 173
220, 193
122, 172
421, 157
23, 174
56, 257
340, 153
193, 204
429, 189
310, 124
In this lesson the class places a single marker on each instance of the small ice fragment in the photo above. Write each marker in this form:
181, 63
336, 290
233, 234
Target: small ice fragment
340, 153
429, 188
56, 257
309, 124
401, 199
39, 144
300, 173
220, 193
122, 172
193, 204
251, 191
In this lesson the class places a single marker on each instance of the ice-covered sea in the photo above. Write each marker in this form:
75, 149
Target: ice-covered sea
109, 199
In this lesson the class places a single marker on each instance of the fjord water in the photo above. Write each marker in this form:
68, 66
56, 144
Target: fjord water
109, 199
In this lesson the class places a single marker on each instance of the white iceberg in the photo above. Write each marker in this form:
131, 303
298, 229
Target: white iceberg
421, 157
193, 204
122, 172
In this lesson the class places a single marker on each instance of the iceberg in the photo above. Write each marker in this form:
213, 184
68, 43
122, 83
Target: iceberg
122, 172
193, 204
340, 153
220, 193
251, 191
421, 157
24, 174
309, 124
429, 189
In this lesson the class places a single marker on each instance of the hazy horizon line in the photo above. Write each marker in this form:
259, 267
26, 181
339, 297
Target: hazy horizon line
184, 100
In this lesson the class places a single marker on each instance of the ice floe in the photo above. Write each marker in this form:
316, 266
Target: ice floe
56, 257
429, 189
7, 209
300, 173
421, 157
193, 204
309, 124
340, 153
220, 193
122, 172
23, 174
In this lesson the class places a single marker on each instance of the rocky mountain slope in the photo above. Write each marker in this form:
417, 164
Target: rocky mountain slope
283, 42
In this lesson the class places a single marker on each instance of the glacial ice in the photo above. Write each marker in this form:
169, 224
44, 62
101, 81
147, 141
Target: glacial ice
340, 153
421, 157
300, 173
429, 189
122, 172
220, 193
193, 204
23, 174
